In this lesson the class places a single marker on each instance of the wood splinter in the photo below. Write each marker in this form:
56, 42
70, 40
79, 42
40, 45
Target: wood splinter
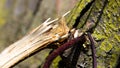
47, 33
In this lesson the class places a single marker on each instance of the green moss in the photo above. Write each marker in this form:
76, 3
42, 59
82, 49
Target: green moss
56, 62
107, 30
75, 12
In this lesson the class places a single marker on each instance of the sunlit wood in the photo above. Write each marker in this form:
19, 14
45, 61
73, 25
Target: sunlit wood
46, 33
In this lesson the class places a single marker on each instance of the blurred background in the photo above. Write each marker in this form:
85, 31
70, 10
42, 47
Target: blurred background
18, 17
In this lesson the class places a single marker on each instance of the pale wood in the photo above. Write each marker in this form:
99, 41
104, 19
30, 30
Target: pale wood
39, 38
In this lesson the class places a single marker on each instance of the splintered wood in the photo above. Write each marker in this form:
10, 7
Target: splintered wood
46, 33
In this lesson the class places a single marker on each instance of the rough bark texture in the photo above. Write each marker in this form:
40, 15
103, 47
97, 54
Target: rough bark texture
106, 34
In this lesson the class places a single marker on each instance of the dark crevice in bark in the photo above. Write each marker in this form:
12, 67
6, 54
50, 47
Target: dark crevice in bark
99, 17
76, 53
87, 7
88, 16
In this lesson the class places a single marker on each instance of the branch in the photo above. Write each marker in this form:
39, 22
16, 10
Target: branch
62, 48
39, 38
93, 50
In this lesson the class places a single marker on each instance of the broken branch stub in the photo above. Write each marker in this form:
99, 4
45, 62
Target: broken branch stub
39, 38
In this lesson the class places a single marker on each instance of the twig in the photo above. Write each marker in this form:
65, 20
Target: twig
60, 50
93, 50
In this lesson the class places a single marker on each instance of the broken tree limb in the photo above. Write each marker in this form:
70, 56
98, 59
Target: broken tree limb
46, 33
